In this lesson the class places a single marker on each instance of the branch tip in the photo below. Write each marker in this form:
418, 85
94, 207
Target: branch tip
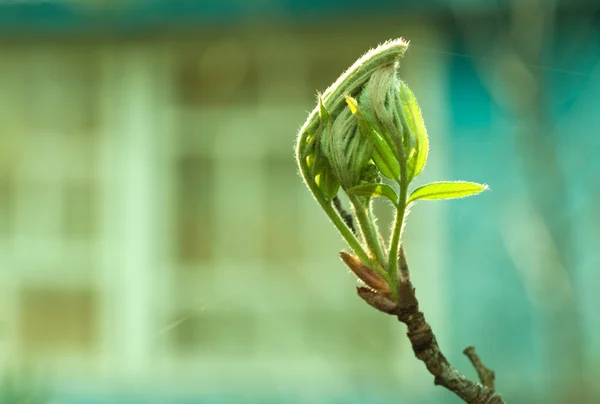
427, 350
486, 375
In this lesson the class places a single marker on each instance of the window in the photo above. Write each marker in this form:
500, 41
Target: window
194, 209
54, 319
223, 73
60, 91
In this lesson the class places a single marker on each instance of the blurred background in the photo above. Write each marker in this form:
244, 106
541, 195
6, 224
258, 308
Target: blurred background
157, 244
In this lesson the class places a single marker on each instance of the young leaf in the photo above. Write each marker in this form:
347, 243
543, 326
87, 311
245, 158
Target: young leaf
446, 190
383, 156
323, 175
382, 165
328, 183
374, 190
414, 119
323, 113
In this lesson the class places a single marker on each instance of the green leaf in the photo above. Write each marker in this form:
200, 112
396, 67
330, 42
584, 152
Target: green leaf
374, 190
414, 119
381, 164
446, 190
323, 174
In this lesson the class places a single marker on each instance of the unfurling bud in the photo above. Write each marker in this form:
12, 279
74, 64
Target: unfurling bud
347, 150
378, 126
316, 161
340, 147
365, 274
383, 106
367, 125
384, 156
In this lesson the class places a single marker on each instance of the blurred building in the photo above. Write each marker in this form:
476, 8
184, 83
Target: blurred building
153, 225
155, 235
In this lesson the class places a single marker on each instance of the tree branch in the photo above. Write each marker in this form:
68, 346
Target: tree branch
426, 348
486, 375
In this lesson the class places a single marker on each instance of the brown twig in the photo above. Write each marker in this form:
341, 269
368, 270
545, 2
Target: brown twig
486, 375
427, 350
425, 345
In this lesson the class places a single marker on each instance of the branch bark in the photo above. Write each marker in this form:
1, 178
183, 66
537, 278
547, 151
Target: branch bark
425, 345
486, 375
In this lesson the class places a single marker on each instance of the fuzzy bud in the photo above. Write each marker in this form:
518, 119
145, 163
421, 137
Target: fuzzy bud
365, 274
377, 300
